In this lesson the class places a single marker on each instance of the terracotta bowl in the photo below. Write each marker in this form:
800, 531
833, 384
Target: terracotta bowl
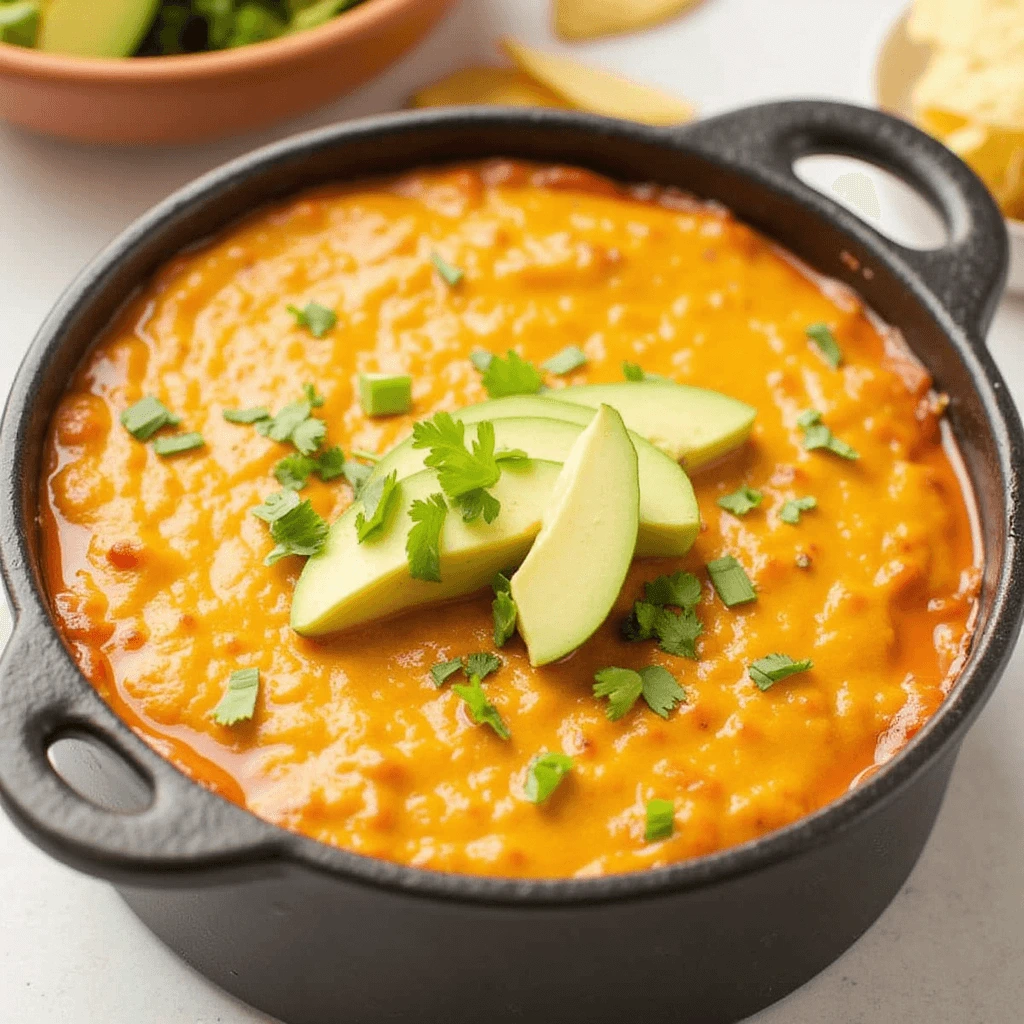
154, 100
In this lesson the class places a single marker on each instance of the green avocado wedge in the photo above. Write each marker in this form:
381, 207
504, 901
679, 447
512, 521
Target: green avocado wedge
574, 572
669, 515
100, 28
692, 425
349, 583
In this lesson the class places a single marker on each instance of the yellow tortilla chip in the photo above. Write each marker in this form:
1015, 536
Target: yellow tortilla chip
488, 86
986, 29
992, 93
600, 92
587, 19
997, 157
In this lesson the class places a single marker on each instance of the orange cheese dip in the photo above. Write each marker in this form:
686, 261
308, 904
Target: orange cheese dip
156, 573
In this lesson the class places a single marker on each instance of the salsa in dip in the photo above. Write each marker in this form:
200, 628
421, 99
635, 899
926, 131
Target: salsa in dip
843, 514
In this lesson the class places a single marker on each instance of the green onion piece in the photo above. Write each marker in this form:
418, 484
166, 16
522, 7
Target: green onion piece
769, 670
423, 545
817, 435
660, 820
544, 774
731, 581
317, 319
827, 344
741, 501
622, 687
790, 511
570, 358
481, 710
378, 499
175, 444
300, 531
148, 415
382, 394
449, 274
444, 670
482, 664
239, 700
505, 613
253, 415
632, 371
19, 23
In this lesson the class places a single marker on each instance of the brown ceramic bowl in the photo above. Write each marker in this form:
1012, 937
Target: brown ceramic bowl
154, 100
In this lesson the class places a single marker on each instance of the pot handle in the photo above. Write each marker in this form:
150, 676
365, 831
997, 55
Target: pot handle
965, 275
184, 830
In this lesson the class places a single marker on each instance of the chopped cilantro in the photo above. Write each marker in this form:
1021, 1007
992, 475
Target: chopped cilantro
478, 503
281, 427
378, 499
741, 501
300, 531
19, 23
356, 474
309, 435
239, 700
384, 394
632, 371
570, 358
660, 822
317, 319
505, 613
459, 470
641, 621
731, 581
423, 545
276, 505
660, 690
511, 376
544, 774
253, 415
790, 511
817, 435
175, 444
501, 584
148, 415
294, 471
481, 359
315, 400
449, 274
444, 670
480, 709
330, 464
482, 664
677, 632
622, 687
681, 589
770, 669
827, 344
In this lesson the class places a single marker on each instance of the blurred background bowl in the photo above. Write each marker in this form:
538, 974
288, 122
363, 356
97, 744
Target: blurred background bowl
186, 98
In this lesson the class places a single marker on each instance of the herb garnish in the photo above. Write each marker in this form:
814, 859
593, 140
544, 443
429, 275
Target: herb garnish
383, 394
512, 375
731, 581
480, 709
572, 357
481, 665
790, 511
298, 531
423, 545
660, 820
503, 610
676, 632
239, 700
741, 501
451, 275
247, 416
317, 319
823, 337
174, 444
817, 435
444, 670
356, 474
148, 415
378, 499
632, 371
544, 774
276, 505
622, 687
769, 670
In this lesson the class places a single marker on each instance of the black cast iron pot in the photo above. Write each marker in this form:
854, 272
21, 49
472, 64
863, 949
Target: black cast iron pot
316, 935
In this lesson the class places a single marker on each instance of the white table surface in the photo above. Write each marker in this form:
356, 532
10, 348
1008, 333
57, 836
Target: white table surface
950, 948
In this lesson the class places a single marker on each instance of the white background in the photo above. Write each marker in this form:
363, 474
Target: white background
949, 949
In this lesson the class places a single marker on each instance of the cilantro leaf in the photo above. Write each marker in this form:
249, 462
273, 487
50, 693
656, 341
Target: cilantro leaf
451, 275
482, 664
317, 319
544, 774
622, 687
148, 415
505, 613
253, 415
512, 375
308, 435
276, 505
293, 471
378, 500
312, 396
356, 474
480, 709
300, 531
239, 700
769, 670
572, 357
681, 589
741, 501
330, 464
632, 371
677, 632
817, 435
281, 427
660, 822
478, 503
660, 690
790, 511
423, 545
459, 470
444, 670
827, 344
641, 621
501, 583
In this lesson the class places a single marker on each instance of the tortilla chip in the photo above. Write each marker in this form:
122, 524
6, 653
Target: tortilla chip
986, 29
958, 83
997, 157
600, 92
488, 86
588, 19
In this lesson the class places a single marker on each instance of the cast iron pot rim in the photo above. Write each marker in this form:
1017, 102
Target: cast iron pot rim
991, 646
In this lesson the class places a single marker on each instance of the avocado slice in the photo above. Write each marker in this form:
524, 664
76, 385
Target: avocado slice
574, 572
669, 516
693, 425
350, 583
102, 28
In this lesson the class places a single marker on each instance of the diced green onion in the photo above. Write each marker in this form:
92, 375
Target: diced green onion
731, 581
175, 444
660, 820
